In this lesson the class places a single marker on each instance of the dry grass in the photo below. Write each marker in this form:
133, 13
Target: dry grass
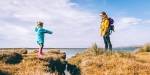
112, 63
95, 50
17, 50
145, 48
31, 65
94, 61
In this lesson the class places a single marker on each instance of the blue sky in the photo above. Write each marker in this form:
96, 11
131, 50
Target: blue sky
128, 7
75, 23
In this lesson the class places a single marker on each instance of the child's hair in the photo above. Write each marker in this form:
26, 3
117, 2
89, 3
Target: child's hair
39, 23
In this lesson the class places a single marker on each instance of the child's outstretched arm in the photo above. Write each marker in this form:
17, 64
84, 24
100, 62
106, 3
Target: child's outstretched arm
47, 31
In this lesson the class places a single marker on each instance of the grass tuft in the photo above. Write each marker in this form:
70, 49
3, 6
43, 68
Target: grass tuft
95, 50
145, 48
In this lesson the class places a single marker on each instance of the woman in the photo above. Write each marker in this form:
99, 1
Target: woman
104, 30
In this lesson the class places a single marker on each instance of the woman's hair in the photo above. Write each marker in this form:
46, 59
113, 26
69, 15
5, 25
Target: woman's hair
39, 23
104, 13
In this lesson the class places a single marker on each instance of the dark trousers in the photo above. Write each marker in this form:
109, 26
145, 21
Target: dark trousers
107, 42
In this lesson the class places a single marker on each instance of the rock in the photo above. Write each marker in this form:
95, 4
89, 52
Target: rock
54, 51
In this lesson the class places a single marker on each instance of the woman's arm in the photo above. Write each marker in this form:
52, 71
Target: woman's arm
106, 26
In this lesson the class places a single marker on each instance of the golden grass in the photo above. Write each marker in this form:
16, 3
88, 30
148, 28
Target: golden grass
94, 61
95, 50
31, 65
112, 63
145, 48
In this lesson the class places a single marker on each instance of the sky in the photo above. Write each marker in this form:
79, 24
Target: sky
75, 23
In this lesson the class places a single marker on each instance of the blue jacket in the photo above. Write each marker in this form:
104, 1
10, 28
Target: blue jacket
40, 34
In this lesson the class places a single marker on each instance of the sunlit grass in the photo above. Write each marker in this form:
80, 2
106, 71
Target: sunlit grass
145, 48
93, 61
112, 63
30, 64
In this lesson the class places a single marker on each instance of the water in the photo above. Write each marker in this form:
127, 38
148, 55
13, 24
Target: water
126, 49
73, 51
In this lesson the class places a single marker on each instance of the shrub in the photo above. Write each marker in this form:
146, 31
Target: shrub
145, 48
95, 50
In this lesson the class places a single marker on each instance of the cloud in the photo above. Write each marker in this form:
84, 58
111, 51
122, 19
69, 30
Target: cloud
60, 16
131, 37
131, 31
72, 26
125, 22
146, 22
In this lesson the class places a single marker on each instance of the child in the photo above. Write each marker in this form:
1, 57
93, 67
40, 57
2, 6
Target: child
40, 31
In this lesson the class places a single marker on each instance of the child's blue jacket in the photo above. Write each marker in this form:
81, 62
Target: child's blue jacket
40, 31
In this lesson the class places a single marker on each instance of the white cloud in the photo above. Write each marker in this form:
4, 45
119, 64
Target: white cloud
131, 31
60, 16
146, 22
124, 22
72, 27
